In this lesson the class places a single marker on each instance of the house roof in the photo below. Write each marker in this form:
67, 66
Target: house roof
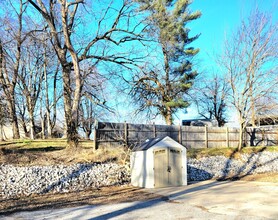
198, 122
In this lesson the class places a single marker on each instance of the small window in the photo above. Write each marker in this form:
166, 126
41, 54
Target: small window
160, 151
175, 151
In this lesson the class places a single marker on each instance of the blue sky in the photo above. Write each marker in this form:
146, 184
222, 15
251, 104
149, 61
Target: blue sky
219, 18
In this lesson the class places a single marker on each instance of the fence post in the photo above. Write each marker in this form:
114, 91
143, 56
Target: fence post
180, 134
126, 133
206, 136
95, 135
264, 139
227, 137
154, 130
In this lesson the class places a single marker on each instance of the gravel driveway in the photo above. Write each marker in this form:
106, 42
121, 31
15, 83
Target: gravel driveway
202, 200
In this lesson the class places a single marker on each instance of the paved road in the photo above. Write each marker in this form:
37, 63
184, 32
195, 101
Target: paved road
203, 200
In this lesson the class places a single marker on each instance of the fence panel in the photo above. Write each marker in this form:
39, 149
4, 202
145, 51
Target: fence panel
193, 137
115, 134
264, 136
166, 130
138, 133
112, 134
233, 136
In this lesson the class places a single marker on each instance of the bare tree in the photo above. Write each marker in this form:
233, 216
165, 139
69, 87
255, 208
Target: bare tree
30, 77
21, 108
211, 99
250, 62
93, 98
10, 52
87, 117
50, 95
8, 82
267, 110
62, 18
3, 116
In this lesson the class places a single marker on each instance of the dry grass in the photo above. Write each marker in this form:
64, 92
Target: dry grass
53, 151
263, 177
49, 152
228, 152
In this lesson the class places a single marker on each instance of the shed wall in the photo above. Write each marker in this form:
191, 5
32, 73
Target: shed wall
142, 164
142, 173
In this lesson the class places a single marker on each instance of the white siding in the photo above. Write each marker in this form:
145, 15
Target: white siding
142, 164
138, 168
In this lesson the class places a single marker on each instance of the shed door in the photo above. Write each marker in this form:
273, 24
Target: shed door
167, 167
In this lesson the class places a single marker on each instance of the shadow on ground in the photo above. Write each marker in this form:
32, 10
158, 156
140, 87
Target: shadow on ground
105, 195
21, 150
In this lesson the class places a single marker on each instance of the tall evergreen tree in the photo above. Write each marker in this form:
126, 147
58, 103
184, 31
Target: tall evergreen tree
163, 88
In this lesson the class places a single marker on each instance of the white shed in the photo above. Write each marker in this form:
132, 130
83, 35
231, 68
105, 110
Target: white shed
159, 162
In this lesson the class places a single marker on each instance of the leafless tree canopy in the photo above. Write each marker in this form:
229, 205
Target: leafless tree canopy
211, 99
250, 62
83, 36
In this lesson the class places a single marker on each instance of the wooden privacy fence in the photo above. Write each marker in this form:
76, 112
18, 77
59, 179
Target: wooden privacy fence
132, 135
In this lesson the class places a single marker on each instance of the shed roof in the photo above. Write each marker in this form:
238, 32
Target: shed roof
149, 143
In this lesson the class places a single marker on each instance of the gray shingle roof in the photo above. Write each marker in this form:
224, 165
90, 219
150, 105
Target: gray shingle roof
148, 144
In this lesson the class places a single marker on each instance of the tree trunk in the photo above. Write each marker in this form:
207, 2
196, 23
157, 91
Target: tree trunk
52, 122
42, 123
25, 129
88, 133
253, 114
72, 134
48, 134
49, 126
72, 107
13, 116
43, 128
32, 127
16, 134
253, 110
241, 134
70, 112
1, 133
169, 116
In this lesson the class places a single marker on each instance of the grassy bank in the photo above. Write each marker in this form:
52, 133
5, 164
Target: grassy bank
228, 152
53, 151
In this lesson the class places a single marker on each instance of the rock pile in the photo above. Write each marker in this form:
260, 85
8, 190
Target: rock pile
19, 181
221, 167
